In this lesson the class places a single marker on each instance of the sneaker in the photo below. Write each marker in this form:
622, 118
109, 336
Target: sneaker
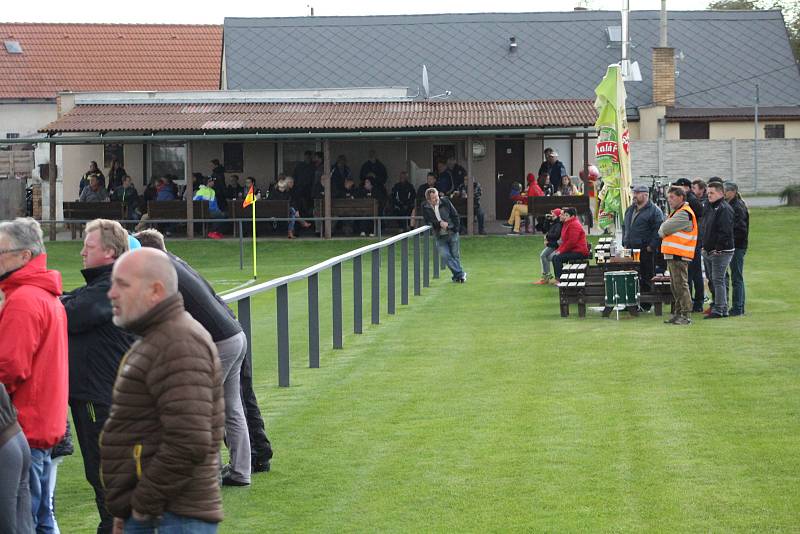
463, 277
512, 233
736, 313
372, 235
553, 282
542, 282
672, 319
214, 235
228, 481
260, 466
682, 320
507, 225
707, 311
363, 234
697, 308
713, 315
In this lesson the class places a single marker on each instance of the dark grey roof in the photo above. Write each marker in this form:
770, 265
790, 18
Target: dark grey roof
764, 112
559, 55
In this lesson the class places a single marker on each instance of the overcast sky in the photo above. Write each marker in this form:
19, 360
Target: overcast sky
181, 12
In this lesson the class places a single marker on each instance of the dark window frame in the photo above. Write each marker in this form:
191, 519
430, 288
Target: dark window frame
774, 131
233, 157
694, 130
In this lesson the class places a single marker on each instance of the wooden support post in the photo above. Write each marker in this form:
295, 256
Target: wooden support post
470, 191
188, 192
326, 183
52, 179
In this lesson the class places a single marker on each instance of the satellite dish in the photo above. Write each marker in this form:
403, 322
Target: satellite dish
425, 81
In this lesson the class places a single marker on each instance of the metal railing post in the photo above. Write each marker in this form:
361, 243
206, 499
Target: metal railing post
426, 260
282, 302
243, 307
376, 286
390, 278
357, 296
435, 255
417, 260
404, 272
313, 321
336, 274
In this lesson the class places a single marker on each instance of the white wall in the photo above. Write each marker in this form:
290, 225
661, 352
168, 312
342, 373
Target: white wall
25, 119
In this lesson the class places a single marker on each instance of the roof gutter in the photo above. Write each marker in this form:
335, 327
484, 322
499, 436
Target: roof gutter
159, 138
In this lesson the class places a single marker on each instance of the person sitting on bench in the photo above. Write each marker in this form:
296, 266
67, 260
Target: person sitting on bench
520, 209
550, 245
207, 192
573, 241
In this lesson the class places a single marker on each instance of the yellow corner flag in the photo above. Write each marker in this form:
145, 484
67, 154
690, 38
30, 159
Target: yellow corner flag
250, 199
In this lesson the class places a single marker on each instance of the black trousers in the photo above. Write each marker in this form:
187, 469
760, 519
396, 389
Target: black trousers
89, 418
260, 447
647, 269
696, 286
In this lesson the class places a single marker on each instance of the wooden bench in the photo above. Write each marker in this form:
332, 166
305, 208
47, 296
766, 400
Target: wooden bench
176, 210
86, 211
265, 209
347, 207
584, 284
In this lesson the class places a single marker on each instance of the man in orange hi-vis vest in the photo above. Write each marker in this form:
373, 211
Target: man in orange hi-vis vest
679, 233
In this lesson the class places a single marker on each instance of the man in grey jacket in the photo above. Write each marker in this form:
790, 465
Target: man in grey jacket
640, 231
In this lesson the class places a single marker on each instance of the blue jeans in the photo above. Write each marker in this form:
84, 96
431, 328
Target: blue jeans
737, 277
41, 500
547, 257
170, 524
719, 265
450, 253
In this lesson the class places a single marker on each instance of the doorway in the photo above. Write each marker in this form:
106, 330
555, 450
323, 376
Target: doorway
509, 166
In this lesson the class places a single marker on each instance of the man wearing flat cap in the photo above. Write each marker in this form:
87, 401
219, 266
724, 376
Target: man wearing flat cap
640, 231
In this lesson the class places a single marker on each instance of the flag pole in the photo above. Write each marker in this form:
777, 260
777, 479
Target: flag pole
255, 270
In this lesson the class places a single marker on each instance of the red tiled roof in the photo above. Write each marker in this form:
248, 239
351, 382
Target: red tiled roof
108, 57
325, 116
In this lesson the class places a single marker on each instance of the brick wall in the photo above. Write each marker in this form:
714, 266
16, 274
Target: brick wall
778, 161
664, 76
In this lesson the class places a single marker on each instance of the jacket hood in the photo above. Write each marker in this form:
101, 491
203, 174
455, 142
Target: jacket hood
34, 273
531, 178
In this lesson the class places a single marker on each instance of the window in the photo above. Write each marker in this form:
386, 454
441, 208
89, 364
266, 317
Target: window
168, 158
613, 36
233, 157
13, 47
113, 150
694, 130
16, 136
774, 131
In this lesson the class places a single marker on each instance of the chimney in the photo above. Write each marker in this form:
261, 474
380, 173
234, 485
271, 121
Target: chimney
664, 76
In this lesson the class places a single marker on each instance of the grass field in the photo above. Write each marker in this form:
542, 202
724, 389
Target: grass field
477, 408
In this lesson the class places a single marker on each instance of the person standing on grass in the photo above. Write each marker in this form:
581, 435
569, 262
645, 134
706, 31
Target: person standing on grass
573, 242
696, 282
442, 217
15, 466
251, 454
718, 246
33, 353
741, 231
96, 346
160, 446
679, 239
640, 231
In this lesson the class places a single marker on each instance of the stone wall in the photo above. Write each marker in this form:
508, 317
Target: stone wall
778, 160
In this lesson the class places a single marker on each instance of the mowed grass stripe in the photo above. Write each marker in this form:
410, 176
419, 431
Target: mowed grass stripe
477, 408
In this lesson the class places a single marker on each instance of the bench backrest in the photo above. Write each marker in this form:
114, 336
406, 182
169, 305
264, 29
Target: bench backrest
264, 209
80, 211
176, 209
539, 206
348, 207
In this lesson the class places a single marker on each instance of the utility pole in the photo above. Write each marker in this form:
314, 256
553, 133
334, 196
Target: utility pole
755, 146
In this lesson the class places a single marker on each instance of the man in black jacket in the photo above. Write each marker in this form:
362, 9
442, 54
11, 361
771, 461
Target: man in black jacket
440, 214
718, 246
741, 231
640, 231
403, 196
96, 347
696, 283
248, 454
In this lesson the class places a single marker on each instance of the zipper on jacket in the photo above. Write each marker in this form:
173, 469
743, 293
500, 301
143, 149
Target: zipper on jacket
137, 457
92, 415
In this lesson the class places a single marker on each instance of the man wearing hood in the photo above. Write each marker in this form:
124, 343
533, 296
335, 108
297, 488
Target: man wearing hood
33, 352
96, 347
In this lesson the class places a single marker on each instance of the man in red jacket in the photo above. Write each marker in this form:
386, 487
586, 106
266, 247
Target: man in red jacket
33, 352
573, 241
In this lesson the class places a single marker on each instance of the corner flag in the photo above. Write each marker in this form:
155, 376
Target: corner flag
250, 199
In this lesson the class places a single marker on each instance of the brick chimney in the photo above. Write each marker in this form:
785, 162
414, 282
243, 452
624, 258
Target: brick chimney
664, 76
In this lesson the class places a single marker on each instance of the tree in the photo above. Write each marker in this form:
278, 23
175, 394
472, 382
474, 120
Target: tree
789, 8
